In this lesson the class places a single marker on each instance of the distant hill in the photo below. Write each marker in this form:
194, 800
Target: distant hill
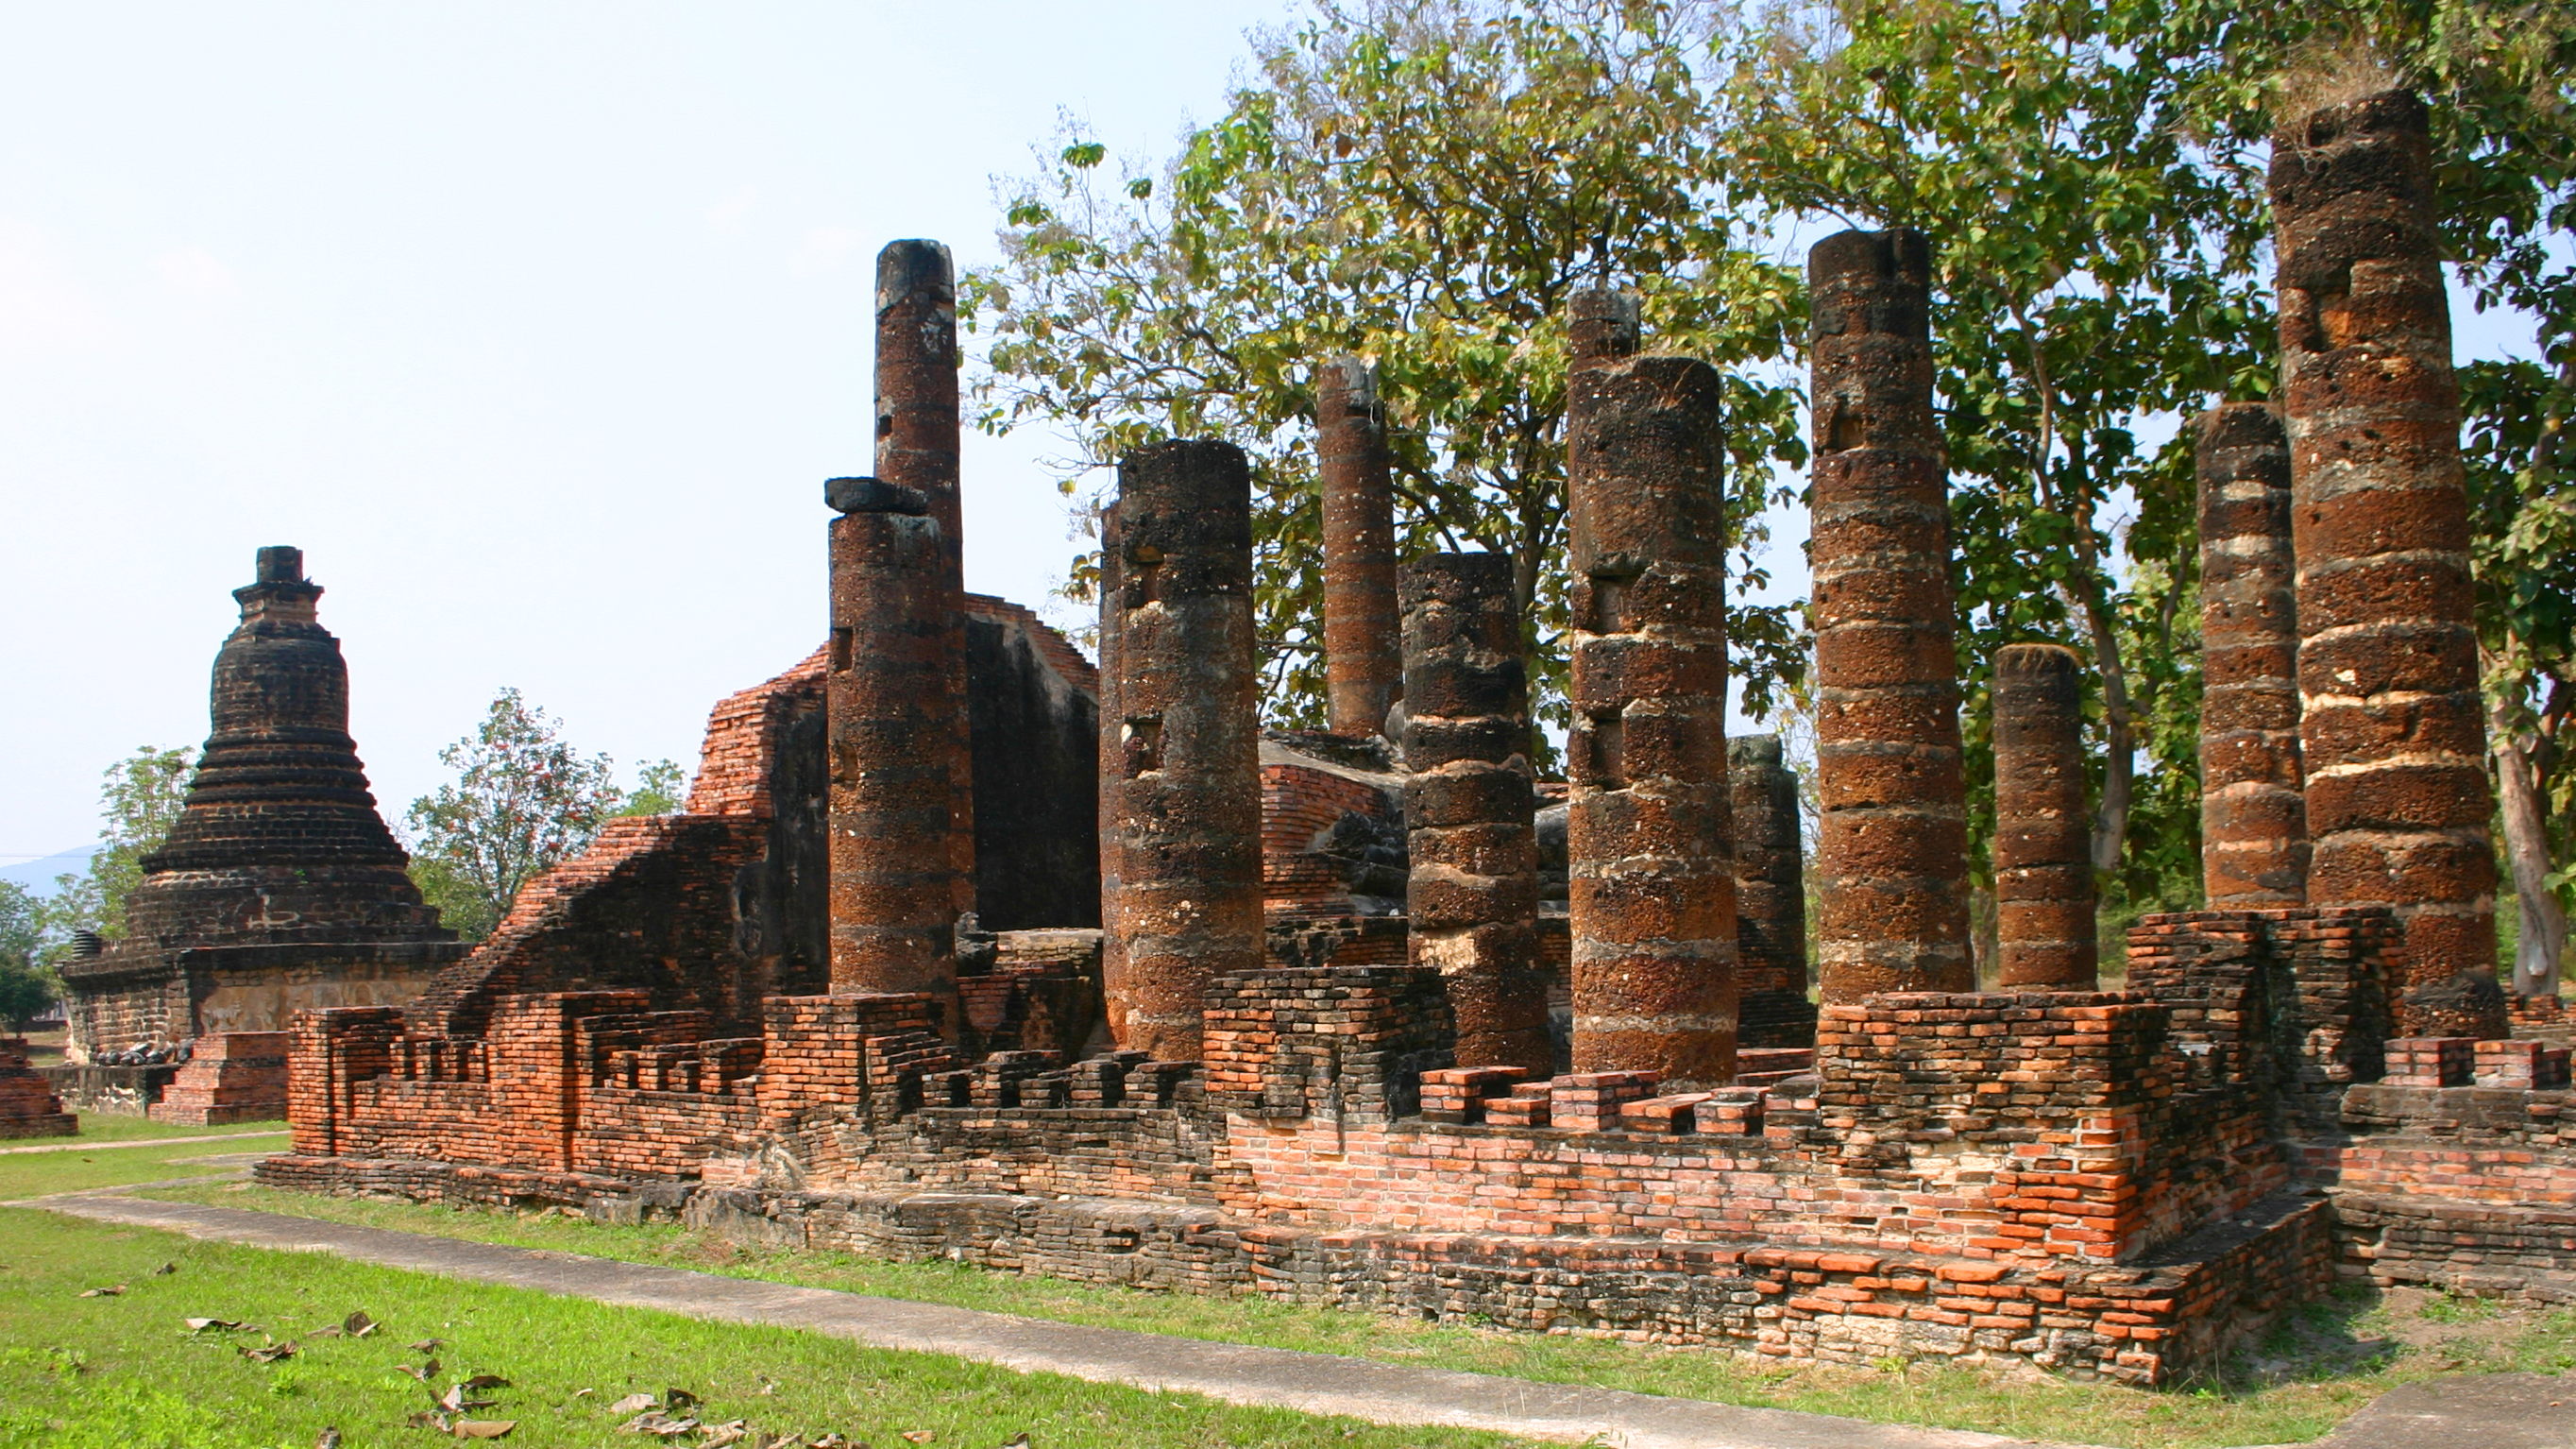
38, 875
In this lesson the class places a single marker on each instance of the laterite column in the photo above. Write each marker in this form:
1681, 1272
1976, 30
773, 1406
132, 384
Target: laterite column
1363, 665
1892, 894
2391, 726
1770, 884
1651, 861
1113, 746
2045, 932
897, 722
917, 448
2253, 817
1473, 893
1188, 824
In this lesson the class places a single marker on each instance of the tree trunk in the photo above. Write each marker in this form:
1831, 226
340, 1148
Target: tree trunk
2526, 842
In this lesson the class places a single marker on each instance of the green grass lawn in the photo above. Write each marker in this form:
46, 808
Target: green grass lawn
33, 1174
100, 1127
2337, 1357
125, 1372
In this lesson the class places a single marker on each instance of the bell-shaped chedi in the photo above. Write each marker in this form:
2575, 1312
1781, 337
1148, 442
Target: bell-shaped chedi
279, 887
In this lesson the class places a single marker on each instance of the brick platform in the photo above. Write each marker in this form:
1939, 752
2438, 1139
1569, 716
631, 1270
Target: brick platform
28, 1106
235, 1077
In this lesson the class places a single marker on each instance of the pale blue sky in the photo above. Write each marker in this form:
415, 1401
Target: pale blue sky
537, 327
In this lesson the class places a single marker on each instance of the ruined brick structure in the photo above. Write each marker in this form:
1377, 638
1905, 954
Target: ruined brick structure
1773, 1009
2253, 815
29, 1105
279, 888
2045, 934
1473, 894
2392, 730
1891, 854
1364, 667
1187, 820
1653, 879
2118, 1184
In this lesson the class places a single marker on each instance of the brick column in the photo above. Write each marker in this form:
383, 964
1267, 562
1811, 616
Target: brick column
2391, 729
1364, 667
1188, 786
897, 721
917, 445
1473, 893
1892, 896
1651, 862
1770, 868
2253, 819
2044, 898
1113, 746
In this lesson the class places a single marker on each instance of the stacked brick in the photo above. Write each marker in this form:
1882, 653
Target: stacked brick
898, 743
917, 449
1186, 827
1318, 825
28, 1105
1891, 857
229, 1077
2253, 816
2045, 932
1770, 897
2392, 729
1472, 839
1363, 671
1652, 868
1347, 1044
746, 732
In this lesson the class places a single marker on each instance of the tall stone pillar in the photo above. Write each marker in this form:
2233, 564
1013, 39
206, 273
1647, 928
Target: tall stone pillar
2253, 818
897, 729
2391, 728
1473, 893
1363, 663
917, 448
1113, 745
1770, 893
1651, 860
2045, 932
1188, 789
1892, 896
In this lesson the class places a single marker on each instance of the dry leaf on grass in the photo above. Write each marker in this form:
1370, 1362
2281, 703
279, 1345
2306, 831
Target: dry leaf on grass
676, 1399
1019, 1440
330, 1438
721, 1436
424, 1372
165, 1270
427, 1345
920, 1436
359, 1325
484, 1428
214, 1325
634, 1404
270, 1353
112, 1291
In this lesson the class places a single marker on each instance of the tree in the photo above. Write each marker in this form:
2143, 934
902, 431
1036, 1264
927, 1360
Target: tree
661, 788
1426, 183
139, 802
27, 984
523, 801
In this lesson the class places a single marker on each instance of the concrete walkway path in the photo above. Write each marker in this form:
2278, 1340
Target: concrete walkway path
1313, 1383
141, 1142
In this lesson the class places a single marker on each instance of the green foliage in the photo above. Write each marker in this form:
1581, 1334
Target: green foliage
661, 788
523, 800
27, 985
1426, 185
139, 801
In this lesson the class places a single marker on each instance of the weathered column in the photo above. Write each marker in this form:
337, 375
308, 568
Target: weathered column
1473, 893
1363, 662
1770, 868
917, 448
897, 730
2045, 933
1113, 745
1891, 857
2391, 729
1651, 861
2253, 818
1188, 789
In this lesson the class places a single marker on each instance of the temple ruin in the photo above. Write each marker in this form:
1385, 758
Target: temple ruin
1291, 1043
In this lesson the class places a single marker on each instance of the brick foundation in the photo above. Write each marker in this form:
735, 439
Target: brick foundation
234, 1077
28, 1104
